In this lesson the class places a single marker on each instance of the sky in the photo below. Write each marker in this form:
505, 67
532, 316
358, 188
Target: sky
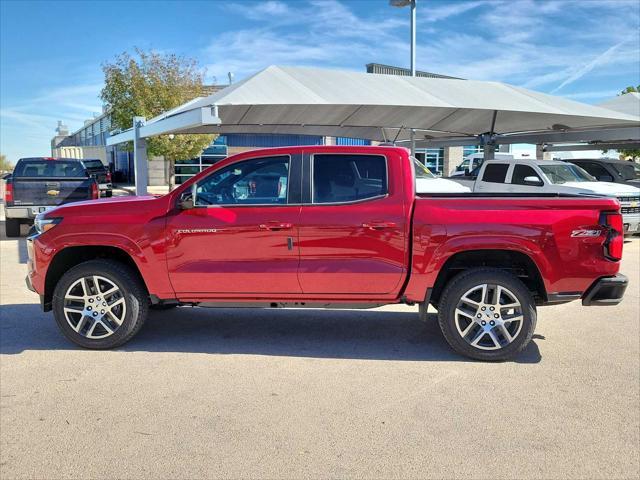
51, 52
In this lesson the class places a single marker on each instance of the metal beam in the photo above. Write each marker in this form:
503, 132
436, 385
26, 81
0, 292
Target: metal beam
173, 124
617, 135
592, 146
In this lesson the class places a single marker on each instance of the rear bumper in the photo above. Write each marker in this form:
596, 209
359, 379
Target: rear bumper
606, 291
26, 212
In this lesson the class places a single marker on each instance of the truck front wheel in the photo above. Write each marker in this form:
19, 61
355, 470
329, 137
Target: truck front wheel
487, 314
100, 304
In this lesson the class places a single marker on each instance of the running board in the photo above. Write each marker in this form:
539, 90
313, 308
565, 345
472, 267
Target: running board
288, 305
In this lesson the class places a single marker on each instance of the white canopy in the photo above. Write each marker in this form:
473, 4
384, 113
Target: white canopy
314, 101
629, 103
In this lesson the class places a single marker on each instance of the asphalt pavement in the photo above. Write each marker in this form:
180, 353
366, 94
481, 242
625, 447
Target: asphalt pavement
204, 393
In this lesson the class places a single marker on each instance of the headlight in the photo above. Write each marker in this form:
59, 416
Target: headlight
43, 224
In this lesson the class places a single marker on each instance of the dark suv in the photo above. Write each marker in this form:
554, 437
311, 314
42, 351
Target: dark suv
610, 169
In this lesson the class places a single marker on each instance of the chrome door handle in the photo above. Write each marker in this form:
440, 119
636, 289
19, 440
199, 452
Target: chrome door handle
378, 225
275, 226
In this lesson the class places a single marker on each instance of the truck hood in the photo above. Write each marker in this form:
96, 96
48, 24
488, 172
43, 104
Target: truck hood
114, 203
604, 188
439, 185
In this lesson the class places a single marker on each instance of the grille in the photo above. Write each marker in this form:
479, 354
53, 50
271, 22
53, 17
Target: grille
629, 199
624, 210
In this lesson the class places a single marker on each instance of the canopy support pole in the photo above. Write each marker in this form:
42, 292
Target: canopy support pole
412, 134
489, 147
140, 160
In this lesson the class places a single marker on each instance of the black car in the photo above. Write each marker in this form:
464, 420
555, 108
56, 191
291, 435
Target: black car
610, 169
102, 175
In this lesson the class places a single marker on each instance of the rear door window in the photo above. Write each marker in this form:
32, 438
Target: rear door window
348, 178
495, 173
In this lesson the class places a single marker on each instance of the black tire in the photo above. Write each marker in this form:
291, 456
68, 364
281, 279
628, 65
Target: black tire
465, 281
12, 227
108, 193
133, 292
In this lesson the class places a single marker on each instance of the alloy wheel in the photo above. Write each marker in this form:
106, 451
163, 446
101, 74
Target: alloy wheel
94, 307
489, 316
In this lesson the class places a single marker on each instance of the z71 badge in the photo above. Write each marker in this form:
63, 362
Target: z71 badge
585, 233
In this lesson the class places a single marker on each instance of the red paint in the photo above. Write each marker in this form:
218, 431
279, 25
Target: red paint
358, 251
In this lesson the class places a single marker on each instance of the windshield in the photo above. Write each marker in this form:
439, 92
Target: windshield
565, 173
628, 170
421, 170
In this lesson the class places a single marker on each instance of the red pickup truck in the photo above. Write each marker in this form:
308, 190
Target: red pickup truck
321, 226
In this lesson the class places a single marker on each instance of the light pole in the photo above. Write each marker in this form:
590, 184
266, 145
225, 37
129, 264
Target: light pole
412, 3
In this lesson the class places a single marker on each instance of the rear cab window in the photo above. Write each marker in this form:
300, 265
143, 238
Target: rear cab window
495, 173
343, 178
49, 168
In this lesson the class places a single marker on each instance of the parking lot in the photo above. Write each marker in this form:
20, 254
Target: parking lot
313, 394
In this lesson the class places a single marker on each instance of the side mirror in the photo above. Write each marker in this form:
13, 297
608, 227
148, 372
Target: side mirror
466, 172
533, 180
185, 204
187, 199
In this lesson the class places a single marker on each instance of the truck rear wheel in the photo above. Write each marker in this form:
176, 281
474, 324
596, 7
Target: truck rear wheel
487, 314
12, 227
100, 304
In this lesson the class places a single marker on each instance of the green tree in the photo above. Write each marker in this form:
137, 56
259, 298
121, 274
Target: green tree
147, 85
630, 89
5, 165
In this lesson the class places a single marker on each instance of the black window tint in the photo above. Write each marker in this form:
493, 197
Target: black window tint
495, 173
596, 170
346, 178
251, 182
49, 168
522, 171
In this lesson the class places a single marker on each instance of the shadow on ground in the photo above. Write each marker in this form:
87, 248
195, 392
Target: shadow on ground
357, 334
21, 241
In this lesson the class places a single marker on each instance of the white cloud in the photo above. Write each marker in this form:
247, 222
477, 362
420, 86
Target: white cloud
583, 70
537, 44
28, 125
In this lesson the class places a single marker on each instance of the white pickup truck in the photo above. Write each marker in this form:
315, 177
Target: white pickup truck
544, 176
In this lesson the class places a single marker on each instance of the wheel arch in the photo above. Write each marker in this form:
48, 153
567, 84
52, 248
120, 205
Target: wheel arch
518, 263
71, 256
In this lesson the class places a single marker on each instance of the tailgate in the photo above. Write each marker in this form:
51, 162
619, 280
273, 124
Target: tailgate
51, 191
99, 174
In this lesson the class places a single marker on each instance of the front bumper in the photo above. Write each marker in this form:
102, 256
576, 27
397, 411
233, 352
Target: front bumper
606, 291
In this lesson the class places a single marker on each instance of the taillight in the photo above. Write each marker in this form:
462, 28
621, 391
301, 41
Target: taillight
95, 192
8, 193
615, 237
108, 176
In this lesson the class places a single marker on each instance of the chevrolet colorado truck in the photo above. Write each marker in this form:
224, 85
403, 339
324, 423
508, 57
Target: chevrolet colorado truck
326, 226
40, 183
